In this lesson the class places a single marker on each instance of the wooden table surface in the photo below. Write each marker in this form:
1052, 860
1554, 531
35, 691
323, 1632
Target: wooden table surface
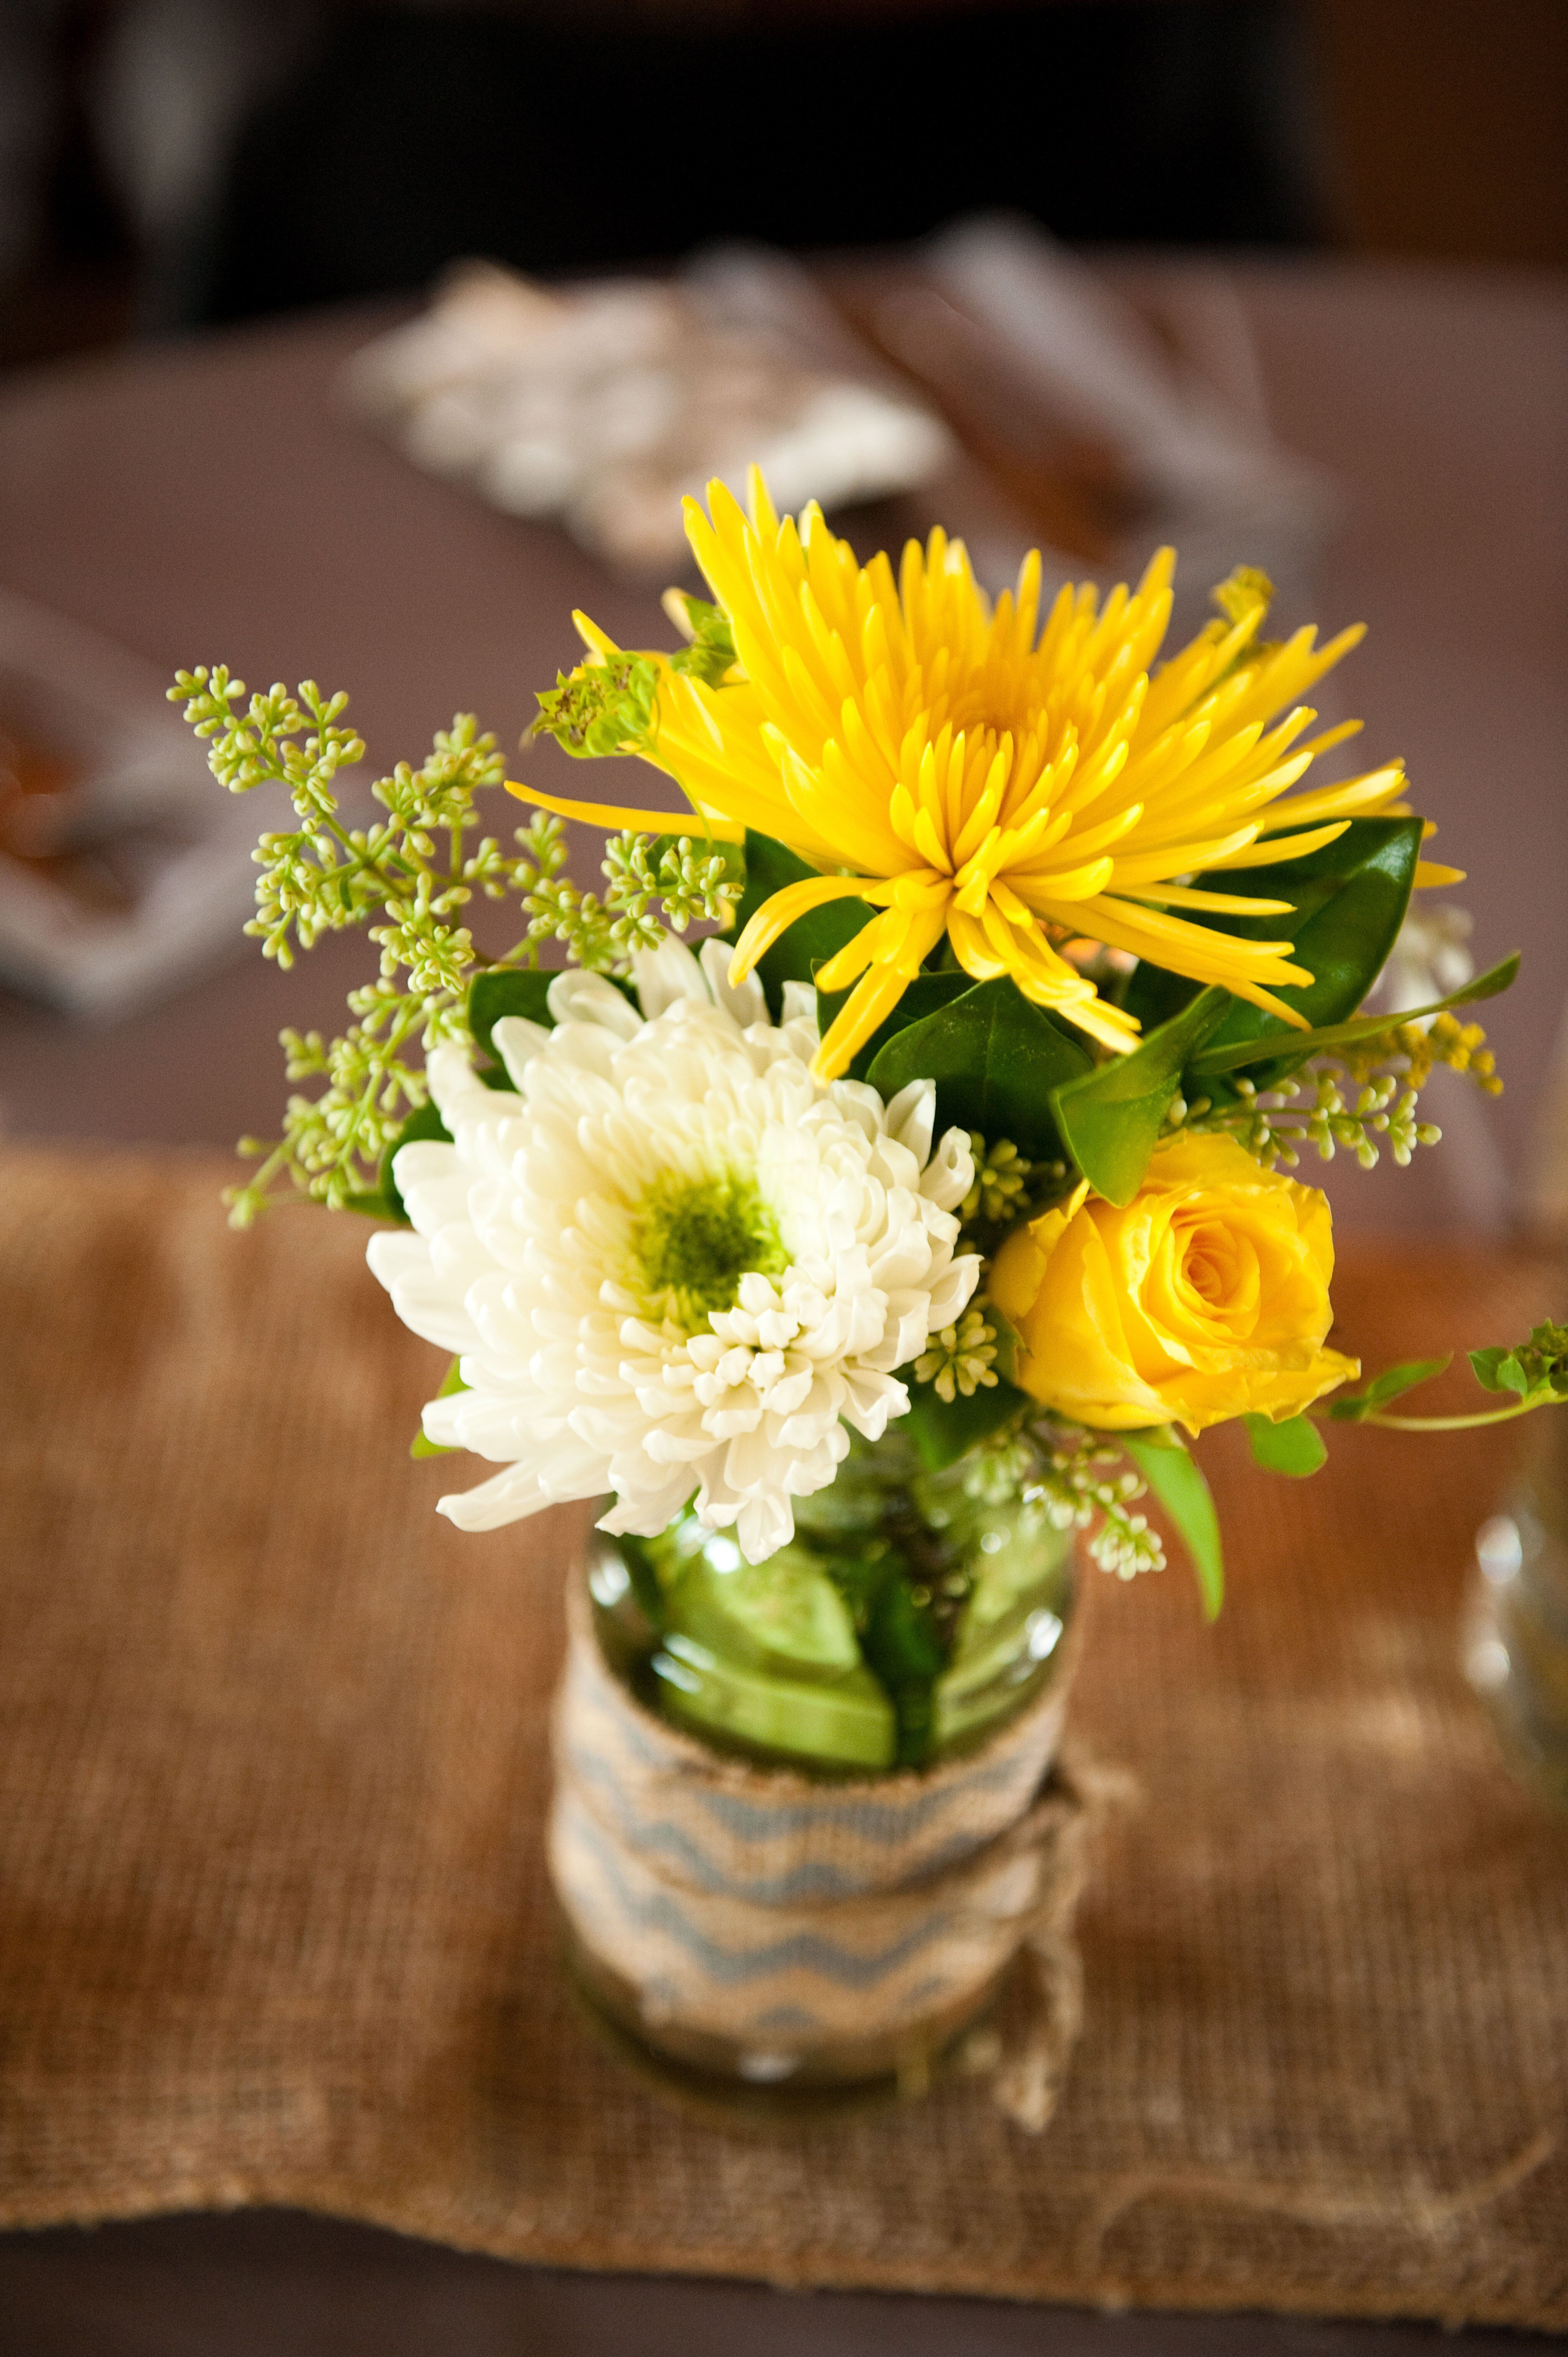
206, 502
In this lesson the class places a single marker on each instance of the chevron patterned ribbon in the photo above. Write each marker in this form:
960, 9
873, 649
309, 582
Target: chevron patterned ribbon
777, 1917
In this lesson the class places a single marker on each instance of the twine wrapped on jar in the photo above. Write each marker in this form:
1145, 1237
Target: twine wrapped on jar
751, 1921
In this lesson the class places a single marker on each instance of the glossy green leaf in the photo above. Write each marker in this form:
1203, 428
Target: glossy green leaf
942, 1430
1366, 1027
371, 1205
1349, 898
1384, 1388
519, 990
995, 1059
426, 1123
419, 1446
769, 866
507, 990
926, 995
1295, 1446
1178, 1482
1109, 1121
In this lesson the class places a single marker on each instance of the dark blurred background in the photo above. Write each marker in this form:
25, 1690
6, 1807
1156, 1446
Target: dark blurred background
168, 162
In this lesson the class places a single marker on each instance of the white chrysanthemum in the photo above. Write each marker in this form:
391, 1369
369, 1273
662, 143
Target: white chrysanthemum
673, 1262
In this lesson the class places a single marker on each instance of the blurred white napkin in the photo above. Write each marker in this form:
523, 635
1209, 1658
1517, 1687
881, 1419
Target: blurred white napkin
1209, 475
122, 863
603, 405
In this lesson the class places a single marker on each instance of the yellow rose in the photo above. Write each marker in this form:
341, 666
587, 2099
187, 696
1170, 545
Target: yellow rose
1206, 1297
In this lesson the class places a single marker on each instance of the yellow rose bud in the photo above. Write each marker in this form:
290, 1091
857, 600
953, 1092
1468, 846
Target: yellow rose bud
1206, 1297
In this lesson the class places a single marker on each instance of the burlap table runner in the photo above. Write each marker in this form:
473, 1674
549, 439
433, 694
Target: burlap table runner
272, 1776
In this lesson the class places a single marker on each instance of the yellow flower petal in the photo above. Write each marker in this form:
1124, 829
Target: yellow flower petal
1027, 783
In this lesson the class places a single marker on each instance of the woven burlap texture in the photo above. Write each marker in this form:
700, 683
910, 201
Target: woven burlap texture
795, 1919
273, 1785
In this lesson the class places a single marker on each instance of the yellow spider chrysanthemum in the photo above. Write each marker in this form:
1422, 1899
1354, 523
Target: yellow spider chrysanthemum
966, 772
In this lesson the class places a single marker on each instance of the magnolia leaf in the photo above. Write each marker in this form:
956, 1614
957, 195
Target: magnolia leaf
419, 1446
517, 990
372, 1205
995, 1059
1349, 898
1389, 1387
424, 1123
926, 995
1294, 1446
812, 938
1365, 1027
507, 990
942, 1430
1177, 1480
1109, 1121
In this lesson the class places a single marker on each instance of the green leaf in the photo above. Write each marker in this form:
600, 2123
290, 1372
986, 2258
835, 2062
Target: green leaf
1390, 1385
507, 990
1109, 1121
1177, 1482
426, 1123
1295, 1446
517, 990
904, 1655
1349, 898
812, 938
600, 708
942, 1430
708, 846
1539, 1367
419, 1447
926, 995
996, 1061
1009, 1342
1366, 1027
712, 651
374, 1205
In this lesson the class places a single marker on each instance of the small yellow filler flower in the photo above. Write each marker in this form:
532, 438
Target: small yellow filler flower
969, 772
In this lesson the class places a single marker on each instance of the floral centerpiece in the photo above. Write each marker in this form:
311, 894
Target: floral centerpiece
911, 1225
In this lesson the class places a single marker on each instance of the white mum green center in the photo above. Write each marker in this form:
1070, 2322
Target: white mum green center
694, 1239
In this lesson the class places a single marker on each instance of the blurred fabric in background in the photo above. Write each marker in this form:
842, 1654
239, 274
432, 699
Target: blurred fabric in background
1320, 329
166, 163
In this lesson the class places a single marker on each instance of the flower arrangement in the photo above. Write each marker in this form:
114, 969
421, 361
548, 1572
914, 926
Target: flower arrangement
1030, 976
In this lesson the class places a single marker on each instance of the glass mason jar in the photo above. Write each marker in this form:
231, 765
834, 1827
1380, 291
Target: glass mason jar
912, 1616
1516, 1638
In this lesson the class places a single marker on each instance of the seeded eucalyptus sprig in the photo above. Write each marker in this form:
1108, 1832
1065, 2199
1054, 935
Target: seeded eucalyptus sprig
414, 872
1350, 1100
1078, 1480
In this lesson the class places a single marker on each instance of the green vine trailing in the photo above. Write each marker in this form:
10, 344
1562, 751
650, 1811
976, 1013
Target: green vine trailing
407, 878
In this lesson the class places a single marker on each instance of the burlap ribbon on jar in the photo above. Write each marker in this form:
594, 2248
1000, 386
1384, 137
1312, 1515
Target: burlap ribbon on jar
785, 1918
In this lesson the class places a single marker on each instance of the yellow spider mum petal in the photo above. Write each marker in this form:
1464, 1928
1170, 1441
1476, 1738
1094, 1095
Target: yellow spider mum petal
969, 768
